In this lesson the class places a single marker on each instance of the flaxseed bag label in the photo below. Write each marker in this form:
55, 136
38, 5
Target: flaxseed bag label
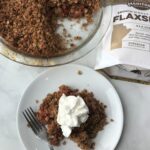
131, 29
127, 41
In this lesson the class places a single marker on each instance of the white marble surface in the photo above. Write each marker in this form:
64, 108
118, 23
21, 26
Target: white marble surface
135, 98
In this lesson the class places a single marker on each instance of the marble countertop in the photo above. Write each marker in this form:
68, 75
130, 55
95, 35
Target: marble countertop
15, 77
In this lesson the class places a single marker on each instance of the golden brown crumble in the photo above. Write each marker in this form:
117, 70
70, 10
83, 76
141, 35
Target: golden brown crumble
83, 135
29, 26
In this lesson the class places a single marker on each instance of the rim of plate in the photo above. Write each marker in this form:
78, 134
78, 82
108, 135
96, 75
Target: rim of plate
72, 65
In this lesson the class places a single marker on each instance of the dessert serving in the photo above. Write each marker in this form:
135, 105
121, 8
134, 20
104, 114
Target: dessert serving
70, 113
30, 26
81, 111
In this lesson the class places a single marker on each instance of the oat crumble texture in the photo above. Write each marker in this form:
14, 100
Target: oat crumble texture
29, 26
83, 135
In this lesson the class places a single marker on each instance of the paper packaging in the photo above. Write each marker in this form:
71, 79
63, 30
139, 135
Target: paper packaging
124, 52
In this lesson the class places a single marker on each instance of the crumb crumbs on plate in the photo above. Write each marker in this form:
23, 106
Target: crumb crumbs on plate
72, 45
78, 20
64, 142
92, 146
37, 101
80, 72
84, 26
77, 38
112, 120
66, 33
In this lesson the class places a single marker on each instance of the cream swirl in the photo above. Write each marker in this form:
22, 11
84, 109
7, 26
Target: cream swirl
72, 112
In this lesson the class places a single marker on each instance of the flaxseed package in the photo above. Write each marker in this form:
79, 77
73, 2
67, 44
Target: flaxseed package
125, 50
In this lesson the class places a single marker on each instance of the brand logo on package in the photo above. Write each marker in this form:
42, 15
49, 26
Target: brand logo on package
139, 4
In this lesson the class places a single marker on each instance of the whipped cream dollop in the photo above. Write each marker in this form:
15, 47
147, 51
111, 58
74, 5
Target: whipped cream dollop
72, 112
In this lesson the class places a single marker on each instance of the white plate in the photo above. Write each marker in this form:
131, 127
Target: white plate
91, 80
